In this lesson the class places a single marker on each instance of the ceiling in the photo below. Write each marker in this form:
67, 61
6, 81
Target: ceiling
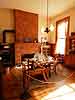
39, 6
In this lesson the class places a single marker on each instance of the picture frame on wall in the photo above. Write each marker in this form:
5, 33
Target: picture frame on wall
9, 36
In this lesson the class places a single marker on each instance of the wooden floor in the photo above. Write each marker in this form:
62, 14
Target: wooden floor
60, 86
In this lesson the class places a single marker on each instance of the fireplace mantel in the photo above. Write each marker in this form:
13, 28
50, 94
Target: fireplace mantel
24, 48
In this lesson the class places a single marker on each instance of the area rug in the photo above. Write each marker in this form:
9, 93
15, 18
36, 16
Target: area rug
61, 75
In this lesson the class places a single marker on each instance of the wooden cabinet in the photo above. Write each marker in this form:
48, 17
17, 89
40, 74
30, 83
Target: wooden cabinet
69, 60
7, 54
72, 45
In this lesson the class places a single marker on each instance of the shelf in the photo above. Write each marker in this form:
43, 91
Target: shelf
72, 44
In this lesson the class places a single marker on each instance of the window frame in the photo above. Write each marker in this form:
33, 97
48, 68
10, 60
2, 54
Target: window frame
67, 35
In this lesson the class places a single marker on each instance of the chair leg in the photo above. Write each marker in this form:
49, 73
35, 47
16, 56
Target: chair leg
52, 69
48, 72
44, 75
55, 70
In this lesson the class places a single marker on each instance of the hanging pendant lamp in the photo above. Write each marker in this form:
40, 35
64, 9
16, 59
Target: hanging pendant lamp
47, 29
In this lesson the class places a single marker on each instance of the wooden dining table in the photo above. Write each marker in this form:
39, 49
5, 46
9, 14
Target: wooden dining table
43, 68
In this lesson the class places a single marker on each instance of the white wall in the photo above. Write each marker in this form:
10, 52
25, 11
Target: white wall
71, 13
7, 22
6, 19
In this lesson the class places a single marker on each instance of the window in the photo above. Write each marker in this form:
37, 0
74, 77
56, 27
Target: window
62, 30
